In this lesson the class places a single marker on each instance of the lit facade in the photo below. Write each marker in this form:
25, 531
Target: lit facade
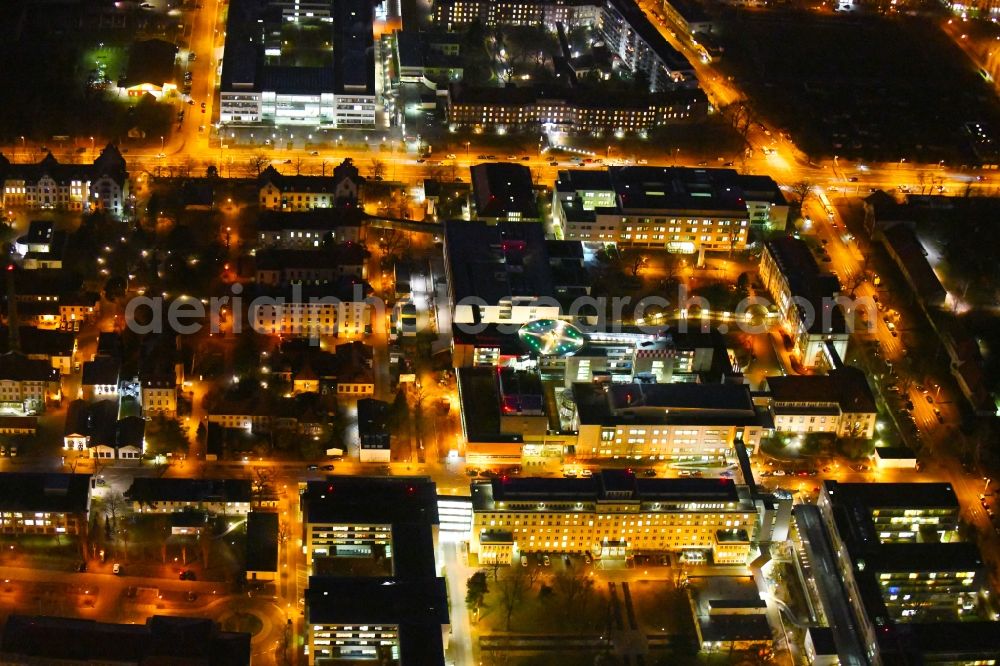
680, 209
524, 109
48, 184
677, 422
589, 516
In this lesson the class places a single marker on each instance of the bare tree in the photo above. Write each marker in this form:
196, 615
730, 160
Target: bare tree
114, 506
638, 263
298, 164
257, 163
741, 117
801, 190
574, 589
393, 242
186, 167
376, 169
512, 589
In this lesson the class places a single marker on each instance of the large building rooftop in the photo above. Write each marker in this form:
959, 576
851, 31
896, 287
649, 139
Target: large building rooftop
609, 485
47, 492
161, 640
496, 262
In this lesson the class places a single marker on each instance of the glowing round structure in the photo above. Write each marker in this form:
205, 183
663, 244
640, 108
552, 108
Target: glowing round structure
551, 337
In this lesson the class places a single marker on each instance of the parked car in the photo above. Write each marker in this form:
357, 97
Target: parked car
546, 560
117, 569
524, 560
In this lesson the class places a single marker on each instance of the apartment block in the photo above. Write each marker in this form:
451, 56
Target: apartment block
611, 516
677, 208
806, 298
44, 503
677, 422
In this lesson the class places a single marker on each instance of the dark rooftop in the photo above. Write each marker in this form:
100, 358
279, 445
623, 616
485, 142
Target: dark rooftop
846, 386
262, 541
499, 261
148, 490
370, 500
895, 495
150, 61
501, 188
607, 485
162, 640
44, 492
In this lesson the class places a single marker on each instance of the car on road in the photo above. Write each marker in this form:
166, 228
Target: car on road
187, 574
852, 179
649, 472
117, 569
728, 164
569, 474
82, 567
778, 472
929, 399
586, 473
314, 153
524, 560
472, 472
553, 163
421, 160
588, 558
546, 560
327, 468
451, 156
313, 468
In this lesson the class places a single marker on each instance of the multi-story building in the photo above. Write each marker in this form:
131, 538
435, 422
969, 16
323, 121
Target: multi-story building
611, 515
450, 14
165, 495
386, 527
100, 378
303, 193
58, 348
374, 436
158, 393
102, 185
806, 299
913, 587
840, 402
640, 47
688, 15
506, 273
26, 384
309, 230
329, 310
260, 87
281, 268
46, 503
529, 109
677, 208
678, 422
503, 192
422, 57
38, 639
